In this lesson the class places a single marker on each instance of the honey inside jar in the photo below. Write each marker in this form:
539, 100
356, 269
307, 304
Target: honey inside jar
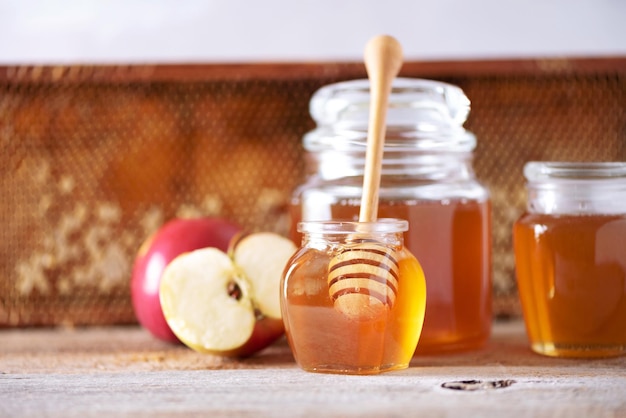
572, 280
427, 178
325, 339
570, 258
451, 242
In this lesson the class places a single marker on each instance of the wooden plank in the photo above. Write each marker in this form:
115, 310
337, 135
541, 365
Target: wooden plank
284, 71
123, 371
292, 393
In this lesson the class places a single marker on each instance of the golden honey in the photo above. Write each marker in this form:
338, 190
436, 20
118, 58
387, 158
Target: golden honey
570, 255
572, 280
427, 178
326, 339
452, 243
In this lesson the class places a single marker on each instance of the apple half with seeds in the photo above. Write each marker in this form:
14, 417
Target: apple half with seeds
176, 237
227, 303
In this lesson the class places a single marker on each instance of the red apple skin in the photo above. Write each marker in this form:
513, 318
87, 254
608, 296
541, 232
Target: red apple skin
176, 237
266, 332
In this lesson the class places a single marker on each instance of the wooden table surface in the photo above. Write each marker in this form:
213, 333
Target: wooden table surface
123, 371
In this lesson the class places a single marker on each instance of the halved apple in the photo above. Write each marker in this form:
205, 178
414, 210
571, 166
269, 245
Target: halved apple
227, 304
174, 238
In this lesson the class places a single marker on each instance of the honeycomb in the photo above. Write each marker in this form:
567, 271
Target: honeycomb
93, 160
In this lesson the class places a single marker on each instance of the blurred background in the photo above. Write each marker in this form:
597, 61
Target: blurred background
118, 115
72, 31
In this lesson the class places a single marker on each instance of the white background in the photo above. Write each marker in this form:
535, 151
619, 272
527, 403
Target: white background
132, 31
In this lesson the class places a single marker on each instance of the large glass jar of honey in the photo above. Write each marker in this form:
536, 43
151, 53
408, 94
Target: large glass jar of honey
570, 258
427, 179
353, 298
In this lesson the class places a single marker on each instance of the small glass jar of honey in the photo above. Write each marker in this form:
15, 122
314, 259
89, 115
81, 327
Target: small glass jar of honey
427, 179
353, 298
570, 255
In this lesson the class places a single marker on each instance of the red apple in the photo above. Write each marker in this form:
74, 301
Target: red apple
228, 303
176, 237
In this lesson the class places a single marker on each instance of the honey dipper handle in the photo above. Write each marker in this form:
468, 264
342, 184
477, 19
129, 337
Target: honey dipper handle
383, 59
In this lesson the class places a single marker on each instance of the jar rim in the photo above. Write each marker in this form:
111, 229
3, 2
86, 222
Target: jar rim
567, 171
333, 102
576, 188
422, 116
380, 226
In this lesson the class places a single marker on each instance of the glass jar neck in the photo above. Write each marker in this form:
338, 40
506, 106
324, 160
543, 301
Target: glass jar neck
415, 165
324, 233
576, 188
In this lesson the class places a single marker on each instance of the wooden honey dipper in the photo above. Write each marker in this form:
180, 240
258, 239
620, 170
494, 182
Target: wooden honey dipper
363, 277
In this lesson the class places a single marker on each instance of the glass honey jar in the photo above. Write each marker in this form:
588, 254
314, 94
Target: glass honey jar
427, 179
570, 258
353, 298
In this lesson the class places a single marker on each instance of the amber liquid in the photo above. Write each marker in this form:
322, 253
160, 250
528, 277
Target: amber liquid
325, 340
571, 274
452, 241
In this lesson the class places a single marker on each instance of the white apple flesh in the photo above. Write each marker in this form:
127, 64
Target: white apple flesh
195, 297
262, 258
176, 237
227, 304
